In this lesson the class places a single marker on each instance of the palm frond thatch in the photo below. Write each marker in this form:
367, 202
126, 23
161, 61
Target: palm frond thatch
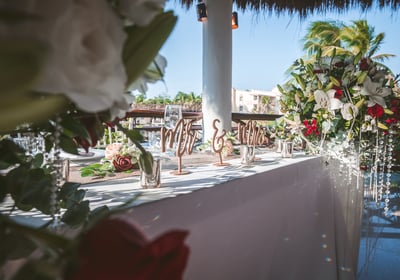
305, 8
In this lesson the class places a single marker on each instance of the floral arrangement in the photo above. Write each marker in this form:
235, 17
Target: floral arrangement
338, 94
67, 68
119, 157
343, 102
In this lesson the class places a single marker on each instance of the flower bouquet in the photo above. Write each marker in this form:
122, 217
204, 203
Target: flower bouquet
340, 93
119, 157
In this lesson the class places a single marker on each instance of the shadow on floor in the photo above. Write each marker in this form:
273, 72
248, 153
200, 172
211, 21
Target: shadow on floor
379, 255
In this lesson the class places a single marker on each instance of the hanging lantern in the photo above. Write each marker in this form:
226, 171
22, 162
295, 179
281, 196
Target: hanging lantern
201, 12
235, 21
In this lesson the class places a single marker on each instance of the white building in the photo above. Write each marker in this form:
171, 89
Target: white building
256, 101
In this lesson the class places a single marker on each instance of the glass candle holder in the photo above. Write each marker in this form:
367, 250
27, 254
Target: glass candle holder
287, 149
153, 179
247, 154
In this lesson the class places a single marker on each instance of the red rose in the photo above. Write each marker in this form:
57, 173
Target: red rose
338, 92
123, 163
375, 111
118, 249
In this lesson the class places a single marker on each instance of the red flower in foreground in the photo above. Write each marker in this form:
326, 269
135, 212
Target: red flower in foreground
375, 111
123, 163
117, 249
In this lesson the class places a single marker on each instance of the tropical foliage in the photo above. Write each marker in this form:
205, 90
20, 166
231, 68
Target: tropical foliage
341, 87
189, 101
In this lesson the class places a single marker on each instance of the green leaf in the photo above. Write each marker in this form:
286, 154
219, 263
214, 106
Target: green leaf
11, 153
68, 145
76, 214
357, 58
20, 63
29, 110
299, 80
361, 77
97, 214
37, 161
73, 127
74, 198
68, 188
334, 81
97, 169
30, 188
143, 44
388, 111
146, 162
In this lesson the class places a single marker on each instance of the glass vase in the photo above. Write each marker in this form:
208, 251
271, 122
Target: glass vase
153, 179
287, 149
247, 154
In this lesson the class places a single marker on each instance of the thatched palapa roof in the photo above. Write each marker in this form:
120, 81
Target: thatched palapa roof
305, 7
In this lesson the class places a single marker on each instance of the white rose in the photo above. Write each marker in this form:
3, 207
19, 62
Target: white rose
140, 12
85, 40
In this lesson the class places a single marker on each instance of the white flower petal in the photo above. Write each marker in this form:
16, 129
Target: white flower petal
141, 12
349, 111
85, 40
335, 104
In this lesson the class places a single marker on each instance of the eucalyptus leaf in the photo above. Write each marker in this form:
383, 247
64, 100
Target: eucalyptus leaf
37, 160
77, 214
68, 145
68, 188
74, 198
97, 214
30, 188
72, 127
11, 153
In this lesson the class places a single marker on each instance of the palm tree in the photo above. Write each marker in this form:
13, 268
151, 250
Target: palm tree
327, 37
322, 34
360, 38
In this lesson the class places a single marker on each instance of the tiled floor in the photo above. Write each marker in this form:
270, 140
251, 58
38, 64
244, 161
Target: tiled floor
379, 256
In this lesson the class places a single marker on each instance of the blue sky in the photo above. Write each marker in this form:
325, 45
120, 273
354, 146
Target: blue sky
264, 46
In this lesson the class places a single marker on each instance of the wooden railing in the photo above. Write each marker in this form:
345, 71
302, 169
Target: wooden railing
236, 117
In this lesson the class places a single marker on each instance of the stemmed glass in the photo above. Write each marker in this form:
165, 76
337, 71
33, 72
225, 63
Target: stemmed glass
172, 114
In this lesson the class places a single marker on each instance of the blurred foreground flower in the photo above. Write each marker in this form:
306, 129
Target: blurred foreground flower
117, 249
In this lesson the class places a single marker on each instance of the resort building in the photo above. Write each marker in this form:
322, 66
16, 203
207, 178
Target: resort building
256, 101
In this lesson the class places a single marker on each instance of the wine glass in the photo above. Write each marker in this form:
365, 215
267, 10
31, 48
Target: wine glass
172, 114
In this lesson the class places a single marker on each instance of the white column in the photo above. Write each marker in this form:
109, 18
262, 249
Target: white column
217, 66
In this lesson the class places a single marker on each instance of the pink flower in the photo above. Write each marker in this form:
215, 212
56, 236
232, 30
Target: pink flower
112, 150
